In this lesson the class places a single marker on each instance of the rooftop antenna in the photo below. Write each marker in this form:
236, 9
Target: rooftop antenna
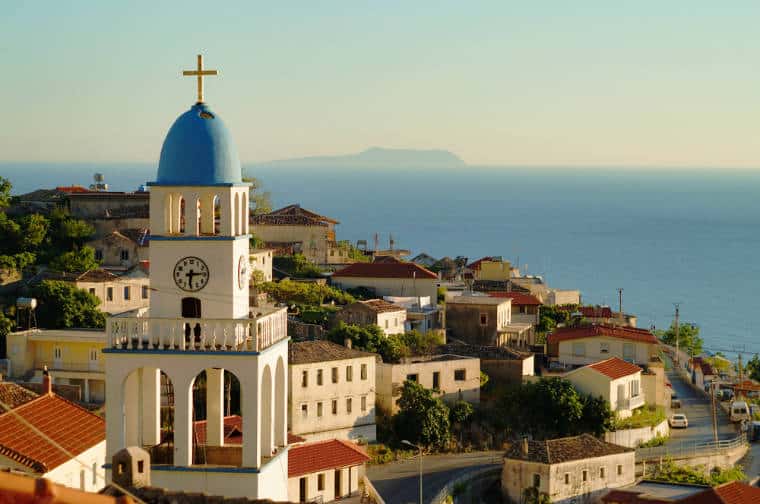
377, 242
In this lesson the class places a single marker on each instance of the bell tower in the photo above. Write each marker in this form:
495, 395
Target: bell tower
199, 335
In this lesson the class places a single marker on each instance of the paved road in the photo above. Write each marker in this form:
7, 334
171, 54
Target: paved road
398, 482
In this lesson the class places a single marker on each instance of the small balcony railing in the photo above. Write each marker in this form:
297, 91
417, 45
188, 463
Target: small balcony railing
75, 366
632, 402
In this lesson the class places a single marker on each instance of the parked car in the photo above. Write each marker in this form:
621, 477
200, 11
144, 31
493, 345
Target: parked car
678, 420
739, 412
675, 404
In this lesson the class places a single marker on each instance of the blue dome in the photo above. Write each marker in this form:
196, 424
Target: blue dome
198, 150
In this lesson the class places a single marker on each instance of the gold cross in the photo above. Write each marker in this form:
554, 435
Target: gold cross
200, 72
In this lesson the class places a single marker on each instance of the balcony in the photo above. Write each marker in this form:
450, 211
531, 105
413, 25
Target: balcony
73, 366
631, 403
189, 334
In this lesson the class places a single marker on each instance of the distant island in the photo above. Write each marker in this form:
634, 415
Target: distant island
376, 157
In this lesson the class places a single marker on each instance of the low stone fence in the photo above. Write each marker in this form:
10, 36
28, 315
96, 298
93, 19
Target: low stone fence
714, 453
633, 438
475, 474
371, 492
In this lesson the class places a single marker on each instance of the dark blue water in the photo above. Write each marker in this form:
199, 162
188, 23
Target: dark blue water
687, 236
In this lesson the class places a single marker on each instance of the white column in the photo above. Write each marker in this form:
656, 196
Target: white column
215, 407
250, 403
131, 416
86, 390
183, 414
225, 218
151, 406
115, 407
192, 213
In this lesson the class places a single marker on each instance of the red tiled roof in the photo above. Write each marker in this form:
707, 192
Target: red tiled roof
71, 426
595, 330
292, 215
381, 306
72, 189
746, 385
18, 489
518, 298
707, 369
615, 368
294, 438
13, 395
727, 493
385, 270
233, 430
323, 455
590, 311
630, 497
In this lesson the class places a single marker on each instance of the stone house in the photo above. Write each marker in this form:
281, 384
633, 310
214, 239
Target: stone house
501, 364
122, 249
618, 382
578, 346
455, 377
487, 321
733, 492
75, 429
331, 391
387, 316
389, 279
110, 210
568, 470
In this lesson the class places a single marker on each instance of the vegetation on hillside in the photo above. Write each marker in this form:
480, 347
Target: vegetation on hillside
297, 266
676, 473
305, 293
391, 348
63, 306
688, 337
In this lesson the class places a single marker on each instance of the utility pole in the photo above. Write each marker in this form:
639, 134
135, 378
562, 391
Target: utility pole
678, 357
620, 302
714, 411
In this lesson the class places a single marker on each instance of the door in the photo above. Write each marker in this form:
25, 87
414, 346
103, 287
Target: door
57, 357
94, 364
302, 490
337, 484
191, 308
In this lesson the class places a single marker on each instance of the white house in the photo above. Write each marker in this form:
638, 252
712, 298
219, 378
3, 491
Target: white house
421, 315
567, 470
25, 445
578, 346
615, 380
453, 377
387, 316
261, 260
331, 392
389, 279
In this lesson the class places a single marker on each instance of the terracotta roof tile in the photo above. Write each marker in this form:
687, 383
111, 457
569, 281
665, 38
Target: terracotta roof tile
556, 451
233, 430
727, 493
305, 352
595, 330
324, 455
381, 306
385, 270
518, 298
615, 368
631, 497
14, 395
69, 425
292, 215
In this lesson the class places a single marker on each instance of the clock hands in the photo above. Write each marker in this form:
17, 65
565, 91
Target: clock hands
190, 274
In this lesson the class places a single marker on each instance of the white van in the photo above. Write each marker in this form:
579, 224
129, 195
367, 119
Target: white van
739, 411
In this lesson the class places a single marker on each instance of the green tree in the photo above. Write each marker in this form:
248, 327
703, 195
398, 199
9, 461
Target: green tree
6, 326
297, 266
421, 343
688, 337
76, 261
5, 192
460, 412
34, 229
422, 418
753, 367
532, 495
74, 232
307, 293
259, 200
63, 306
368, 338
596, 418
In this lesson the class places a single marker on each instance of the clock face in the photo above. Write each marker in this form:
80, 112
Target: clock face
191, 274
242, 271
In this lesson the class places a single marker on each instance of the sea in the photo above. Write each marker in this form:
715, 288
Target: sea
665, 236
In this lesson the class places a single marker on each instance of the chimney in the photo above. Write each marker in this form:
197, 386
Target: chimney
347, 343
524, 447
47, 382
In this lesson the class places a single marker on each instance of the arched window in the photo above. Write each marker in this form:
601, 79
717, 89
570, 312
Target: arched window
236, 216
168, 210
245, 211
217, 204
181, 207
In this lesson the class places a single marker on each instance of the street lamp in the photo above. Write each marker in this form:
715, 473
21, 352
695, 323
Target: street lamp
404, 441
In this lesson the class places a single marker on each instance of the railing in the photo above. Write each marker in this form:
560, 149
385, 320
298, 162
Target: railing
687, 449
77, 366
190, 334
632, 402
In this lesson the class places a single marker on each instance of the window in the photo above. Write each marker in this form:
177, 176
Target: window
437, 379
395, 322
94, 473
304, 378
124, 255
386, 324
319, 409
364, 371
537, 480
109, 294
412, 377
585, 475
304, 410
140, 466
335, 375
98, 254
92, 290
349, 402
460, 375
483, 319
126, 293
320, 482
601, 473
349, 373
93, 354
635, 388
604, 347
145, 290
335, 406
319, 377
579, 349
57, 352
620, 470
567, 478
364, 403
629, 351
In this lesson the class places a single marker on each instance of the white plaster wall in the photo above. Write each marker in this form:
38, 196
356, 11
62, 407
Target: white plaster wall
261, 260
642, 351
392, 322
392, 286
70, 473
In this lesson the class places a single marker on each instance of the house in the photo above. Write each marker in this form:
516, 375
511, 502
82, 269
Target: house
566, 469
40, 437
501, 364
389, 279
733, 492
110, 210
324, 471
525, 307
454, 377
421, 314
550, 296
487, 321
122, 249
75, 355
387, 316
261, 260
703, 374
306, 232
424, 260
601, 315
578, 346
490, 269
331, 391
618, 382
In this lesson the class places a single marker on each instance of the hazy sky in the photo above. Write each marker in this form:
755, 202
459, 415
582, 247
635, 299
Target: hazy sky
503, 82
